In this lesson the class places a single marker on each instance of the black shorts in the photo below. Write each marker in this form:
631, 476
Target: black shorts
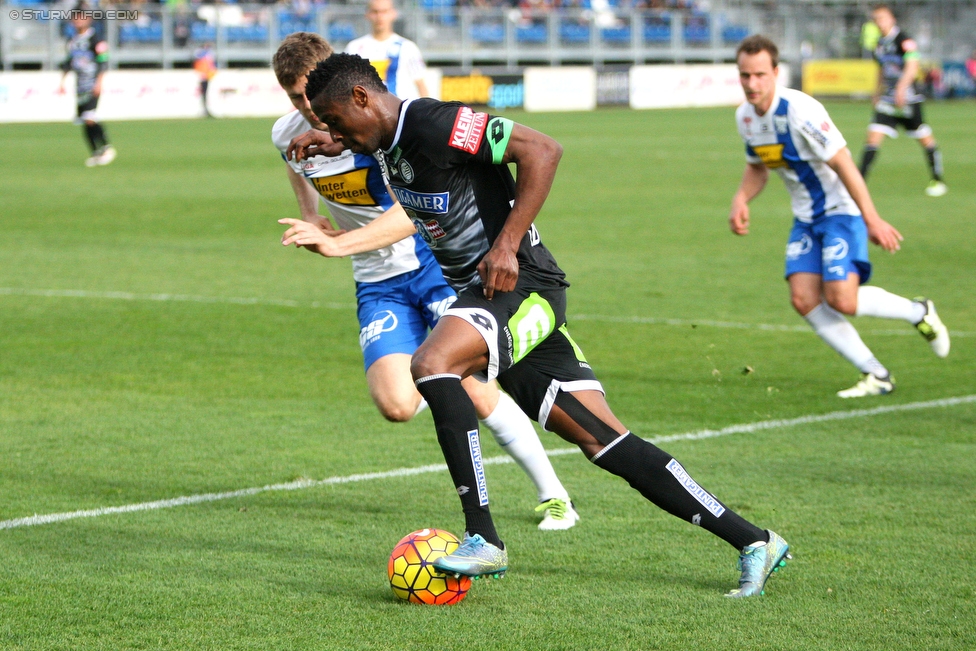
530, 350
908, 118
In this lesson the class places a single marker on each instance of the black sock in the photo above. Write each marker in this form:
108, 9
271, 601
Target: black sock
662, 480
934, 157
456, 423
99, 135
90, 136
867, 157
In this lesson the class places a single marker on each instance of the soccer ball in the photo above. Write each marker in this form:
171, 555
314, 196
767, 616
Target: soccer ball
414, 578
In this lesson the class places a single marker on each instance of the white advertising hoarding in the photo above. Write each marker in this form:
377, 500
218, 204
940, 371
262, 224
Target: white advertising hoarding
143, 94
572, 88
681, 86
247, 94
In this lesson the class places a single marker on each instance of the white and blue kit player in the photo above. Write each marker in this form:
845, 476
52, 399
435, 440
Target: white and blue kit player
827, 262
400, 290
400, 294
397, 59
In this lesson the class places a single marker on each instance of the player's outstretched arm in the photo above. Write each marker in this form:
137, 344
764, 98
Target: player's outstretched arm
753, 181
389, 228
879, 231
308, 201
536, 157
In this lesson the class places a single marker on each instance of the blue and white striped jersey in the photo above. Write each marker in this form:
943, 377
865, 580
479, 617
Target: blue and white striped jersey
795, 138
354, 189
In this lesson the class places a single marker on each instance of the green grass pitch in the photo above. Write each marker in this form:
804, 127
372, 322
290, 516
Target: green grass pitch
156, 341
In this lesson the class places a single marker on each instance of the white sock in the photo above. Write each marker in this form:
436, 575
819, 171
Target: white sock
514, 432
874, 301
840, 335
421, 406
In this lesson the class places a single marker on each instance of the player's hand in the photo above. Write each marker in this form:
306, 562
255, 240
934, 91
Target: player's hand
900, 94
885, 235
310, 236
322, 222
739, 218
312, 143
499, 271
97, 89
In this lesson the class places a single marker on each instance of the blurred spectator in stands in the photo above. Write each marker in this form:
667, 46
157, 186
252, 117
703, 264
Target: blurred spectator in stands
971, 65
205, 63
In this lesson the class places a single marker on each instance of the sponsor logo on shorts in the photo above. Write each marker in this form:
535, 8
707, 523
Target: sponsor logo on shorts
711, 504
482, 321
435, 203
799, 248
468, 129
438, 308
385, 321
474, 444
836, 251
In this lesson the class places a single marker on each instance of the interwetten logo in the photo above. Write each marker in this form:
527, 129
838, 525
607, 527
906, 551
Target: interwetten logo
704, 498
433, 203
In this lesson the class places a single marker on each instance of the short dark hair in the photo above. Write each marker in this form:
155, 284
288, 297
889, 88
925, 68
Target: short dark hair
298, 54
758, 43
339, 74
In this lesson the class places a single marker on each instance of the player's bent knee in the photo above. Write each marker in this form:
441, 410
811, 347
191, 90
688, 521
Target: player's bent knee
397, 413
843, 304
804, 304
426, 362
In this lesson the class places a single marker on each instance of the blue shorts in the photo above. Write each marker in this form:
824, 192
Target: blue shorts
832, 246
395, 314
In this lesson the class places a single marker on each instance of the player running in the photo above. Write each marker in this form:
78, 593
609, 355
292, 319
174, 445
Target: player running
400, 290
448, 166
897, 102
88, 58
827, 254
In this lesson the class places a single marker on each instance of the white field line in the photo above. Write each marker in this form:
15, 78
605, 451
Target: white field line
180, 298
190, 298
421, 470
650, 320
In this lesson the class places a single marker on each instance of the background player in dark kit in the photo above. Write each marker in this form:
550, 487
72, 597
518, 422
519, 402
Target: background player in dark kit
88, 58
897, 102
448, 165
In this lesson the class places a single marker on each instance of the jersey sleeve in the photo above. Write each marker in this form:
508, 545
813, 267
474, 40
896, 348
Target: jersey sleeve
410, 55
812, 123
907, 47
281, 134
457, 135
751, 156
100, 50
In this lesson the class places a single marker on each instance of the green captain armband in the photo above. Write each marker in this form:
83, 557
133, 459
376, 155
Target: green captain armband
498, 132
910, 55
